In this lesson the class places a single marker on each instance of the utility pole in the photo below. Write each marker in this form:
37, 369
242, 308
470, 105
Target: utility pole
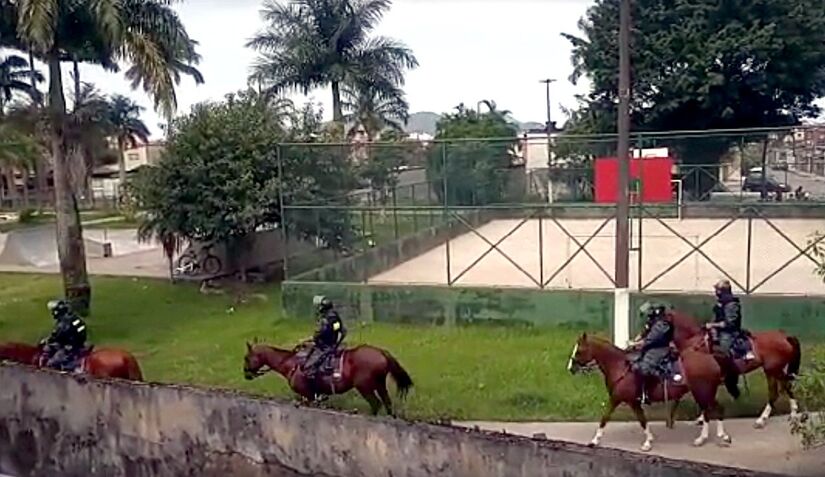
548, 128
621, 323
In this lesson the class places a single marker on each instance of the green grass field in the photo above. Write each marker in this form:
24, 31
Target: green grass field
181, 336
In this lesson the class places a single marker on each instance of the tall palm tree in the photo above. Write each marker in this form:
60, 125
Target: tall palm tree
314, 43
87, 134
372, 111
127, 128
18, 152
144, 33
16, 76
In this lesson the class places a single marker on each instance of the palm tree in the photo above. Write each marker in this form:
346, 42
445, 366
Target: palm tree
145, 33
18, 152
373, 112
127, 128
17, 77
315, 43
87, 134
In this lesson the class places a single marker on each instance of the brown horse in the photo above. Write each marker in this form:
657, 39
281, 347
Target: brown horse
778, 354
100, 363
364, 368
702, 378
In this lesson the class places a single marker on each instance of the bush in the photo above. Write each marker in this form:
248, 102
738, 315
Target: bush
810, 390
27, 216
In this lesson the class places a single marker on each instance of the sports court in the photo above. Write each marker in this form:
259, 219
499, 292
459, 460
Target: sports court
548, 252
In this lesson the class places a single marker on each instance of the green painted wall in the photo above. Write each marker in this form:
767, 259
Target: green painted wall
591, 310
455, 305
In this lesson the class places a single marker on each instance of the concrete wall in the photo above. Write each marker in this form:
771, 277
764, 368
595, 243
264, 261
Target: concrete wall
54, 424
591, 310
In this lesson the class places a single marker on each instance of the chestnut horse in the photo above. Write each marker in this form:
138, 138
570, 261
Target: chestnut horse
702, 376
364, 368
100, 363
778, 354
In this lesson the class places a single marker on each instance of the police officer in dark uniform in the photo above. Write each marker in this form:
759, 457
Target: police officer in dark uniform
68, 338
727, 320
329, 335
654, 347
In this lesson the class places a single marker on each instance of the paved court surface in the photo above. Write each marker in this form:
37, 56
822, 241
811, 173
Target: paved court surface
772, 449
661, 249
35, 250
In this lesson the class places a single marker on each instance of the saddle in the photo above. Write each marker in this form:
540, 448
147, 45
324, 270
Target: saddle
328, 365
668, 368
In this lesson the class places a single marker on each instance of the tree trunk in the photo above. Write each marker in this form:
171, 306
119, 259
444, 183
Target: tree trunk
337, 112
121, 173
26, 202
76, 77
70, 247
11, 187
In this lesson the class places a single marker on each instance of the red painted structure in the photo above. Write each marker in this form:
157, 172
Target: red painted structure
651, 176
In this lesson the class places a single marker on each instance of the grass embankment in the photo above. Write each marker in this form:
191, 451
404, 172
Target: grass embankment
181, 336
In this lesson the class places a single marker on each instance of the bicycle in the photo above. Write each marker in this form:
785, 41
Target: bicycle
202, 262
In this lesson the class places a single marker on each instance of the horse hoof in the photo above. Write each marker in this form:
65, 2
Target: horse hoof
699, 422
592, 444
646, 447
670, 424
699, 442
724, 441
759, 424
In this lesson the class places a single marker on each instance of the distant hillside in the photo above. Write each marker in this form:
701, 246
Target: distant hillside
425, 122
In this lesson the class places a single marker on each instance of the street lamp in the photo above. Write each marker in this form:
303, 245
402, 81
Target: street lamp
547, 83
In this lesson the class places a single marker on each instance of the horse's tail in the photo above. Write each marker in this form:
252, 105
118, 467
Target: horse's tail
133, 369
403, 381
796, 357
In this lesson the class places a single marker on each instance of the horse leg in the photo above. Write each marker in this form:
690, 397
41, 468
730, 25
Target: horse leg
773, 394
722, 437
703, 435
671, 421
605, 418
640, 415
381, 389
372, 399
787, 387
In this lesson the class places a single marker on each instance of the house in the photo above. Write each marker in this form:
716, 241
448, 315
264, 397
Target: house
105, 179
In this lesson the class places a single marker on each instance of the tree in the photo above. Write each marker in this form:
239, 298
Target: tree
126, 127
219, 180
373, 111
315, 43
705, 64
145, 33
810, 386
477, 171
88, 131
18, 152
17, 77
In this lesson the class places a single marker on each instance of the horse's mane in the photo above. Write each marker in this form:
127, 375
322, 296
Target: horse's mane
606, 342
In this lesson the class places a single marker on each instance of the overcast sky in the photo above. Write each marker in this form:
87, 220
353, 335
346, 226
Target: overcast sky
468, 50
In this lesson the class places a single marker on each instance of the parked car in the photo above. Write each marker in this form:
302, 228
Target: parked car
753, 183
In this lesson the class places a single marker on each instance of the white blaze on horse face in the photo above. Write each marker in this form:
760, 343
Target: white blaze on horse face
570, 362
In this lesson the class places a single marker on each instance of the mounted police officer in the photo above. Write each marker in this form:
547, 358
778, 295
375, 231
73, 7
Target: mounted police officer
654, 347
727, 322
329, 335
68, 338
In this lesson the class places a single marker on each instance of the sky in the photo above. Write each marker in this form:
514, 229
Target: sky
468, 50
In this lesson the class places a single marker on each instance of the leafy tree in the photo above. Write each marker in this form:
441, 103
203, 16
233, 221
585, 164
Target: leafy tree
313, 43
17, 77
477, 171
219, 179
144, 33
18, 152
127, 128
810, 386
705, 64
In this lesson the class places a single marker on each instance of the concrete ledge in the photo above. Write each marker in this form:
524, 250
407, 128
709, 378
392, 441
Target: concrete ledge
53, 424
